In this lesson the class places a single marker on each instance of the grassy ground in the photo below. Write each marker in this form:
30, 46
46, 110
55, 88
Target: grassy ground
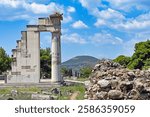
30, 89
22, 93
25, 93
78, 79
76, 88
82, 79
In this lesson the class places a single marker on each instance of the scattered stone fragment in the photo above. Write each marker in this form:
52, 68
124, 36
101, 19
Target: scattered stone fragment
115, 94
40, 97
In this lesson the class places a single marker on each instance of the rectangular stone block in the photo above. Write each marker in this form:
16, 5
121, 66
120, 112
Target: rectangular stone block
26, 67
15, 73
43, 21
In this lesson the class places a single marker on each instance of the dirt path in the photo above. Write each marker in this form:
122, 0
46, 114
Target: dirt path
74, 95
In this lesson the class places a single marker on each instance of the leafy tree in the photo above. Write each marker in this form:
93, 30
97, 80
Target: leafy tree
147, 64
122, 60
64, 71
5, 61
45, 58
140, 59
136, 64
70, 72
85, 72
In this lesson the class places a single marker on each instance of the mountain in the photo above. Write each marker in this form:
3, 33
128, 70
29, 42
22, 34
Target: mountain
79, 62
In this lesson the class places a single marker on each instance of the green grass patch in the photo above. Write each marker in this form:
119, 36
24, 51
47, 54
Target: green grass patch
82, 79
29, 89
24, 93
5, 90
65, 89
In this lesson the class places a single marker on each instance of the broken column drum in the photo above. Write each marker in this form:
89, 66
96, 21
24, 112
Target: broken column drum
26, 56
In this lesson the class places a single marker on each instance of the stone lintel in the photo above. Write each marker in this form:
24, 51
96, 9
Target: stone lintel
32, 28
57, 31
28, 26
43, 18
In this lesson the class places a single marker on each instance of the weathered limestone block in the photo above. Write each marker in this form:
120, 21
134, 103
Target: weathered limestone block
115, 95
102, 95
104, 83
40, 97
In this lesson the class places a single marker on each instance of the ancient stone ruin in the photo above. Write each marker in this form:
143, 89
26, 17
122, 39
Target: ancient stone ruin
26, 56
111, 81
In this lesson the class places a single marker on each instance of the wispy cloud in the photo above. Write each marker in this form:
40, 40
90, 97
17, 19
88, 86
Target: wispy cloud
79, 24
108, 16
105, 38
140, 23
73, 38
30, 10
127, 5
71, 9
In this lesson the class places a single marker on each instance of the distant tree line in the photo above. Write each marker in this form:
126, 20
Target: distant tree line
83, 72
140, 58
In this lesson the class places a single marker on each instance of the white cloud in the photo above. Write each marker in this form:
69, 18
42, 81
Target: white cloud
43, 9
140, 23
73, 38
11, 3
23, 9
90, 4
113, 18
79, 24
134, 25
32, 6
67, 18
71, 9
127, 5
108, 15
100, 22
116, 20
105, 38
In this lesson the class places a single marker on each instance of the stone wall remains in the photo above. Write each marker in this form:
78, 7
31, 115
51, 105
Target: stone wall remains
111, 81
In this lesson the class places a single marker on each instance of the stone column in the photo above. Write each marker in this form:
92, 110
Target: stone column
56, 58
59, 47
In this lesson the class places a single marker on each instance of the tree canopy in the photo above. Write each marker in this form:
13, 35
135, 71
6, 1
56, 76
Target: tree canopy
140, 58
45, 59
5, 61
85, 72
123, 60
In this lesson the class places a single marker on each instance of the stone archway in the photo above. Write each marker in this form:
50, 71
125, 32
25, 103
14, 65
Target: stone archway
26, 56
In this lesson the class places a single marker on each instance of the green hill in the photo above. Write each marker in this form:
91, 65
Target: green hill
79, 62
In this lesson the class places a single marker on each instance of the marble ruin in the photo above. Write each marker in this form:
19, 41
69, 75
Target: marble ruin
26, 56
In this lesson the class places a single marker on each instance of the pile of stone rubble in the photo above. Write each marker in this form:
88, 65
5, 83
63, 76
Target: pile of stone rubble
111, 81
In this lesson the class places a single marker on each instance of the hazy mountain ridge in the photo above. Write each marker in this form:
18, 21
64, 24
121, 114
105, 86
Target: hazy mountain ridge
79, 62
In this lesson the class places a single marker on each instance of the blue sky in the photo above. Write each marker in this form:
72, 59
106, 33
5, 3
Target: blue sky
100, 28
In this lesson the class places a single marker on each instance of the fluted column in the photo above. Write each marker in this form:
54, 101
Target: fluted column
56, 58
